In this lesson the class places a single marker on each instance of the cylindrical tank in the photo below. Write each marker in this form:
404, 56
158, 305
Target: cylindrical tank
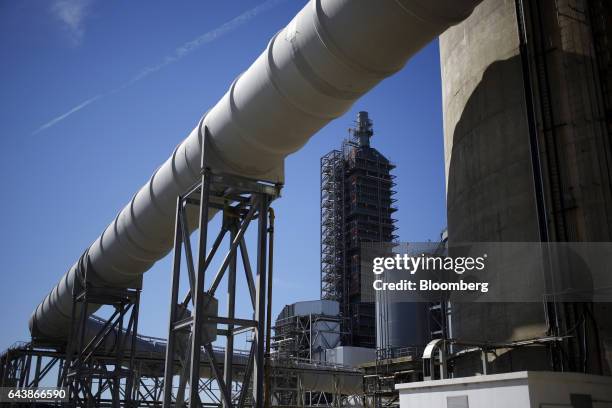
489, 179
312, 71
400, 324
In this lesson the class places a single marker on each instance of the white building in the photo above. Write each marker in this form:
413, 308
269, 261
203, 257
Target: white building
524, 389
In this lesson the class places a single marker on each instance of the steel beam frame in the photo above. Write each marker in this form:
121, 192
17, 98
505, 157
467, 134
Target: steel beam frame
98, 366
241, 201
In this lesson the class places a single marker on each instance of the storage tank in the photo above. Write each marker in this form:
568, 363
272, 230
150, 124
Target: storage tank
496, 95
401, 325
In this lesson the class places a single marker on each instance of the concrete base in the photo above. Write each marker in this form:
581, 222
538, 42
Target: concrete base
524, 389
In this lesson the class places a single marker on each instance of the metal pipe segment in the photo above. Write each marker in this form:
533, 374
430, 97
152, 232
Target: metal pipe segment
313, 70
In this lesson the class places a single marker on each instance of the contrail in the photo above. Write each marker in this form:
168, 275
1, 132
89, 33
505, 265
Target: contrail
179, 53
70, 112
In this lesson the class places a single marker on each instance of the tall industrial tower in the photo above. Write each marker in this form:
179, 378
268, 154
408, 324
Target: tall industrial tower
356, 207
527, 101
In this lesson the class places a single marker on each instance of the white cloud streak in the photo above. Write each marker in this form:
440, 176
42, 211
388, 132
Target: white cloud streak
178, 54
72, 14
70, 112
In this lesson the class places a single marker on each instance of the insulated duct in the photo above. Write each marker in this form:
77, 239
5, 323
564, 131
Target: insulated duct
312, 71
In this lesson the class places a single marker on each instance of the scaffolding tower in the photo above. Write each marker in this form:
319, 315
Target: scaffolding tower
357, 204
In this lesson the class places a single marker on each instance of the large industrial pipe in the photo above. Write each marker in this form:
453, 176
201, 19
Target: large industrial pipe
312, 71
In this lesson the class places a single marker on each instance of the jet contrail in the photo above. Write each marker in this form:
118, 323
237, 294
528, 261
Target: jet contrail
179, 53
70, 112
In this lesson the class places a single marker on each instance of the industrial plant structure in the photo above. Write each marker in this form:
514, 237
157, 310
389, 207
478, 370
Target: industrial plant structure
357, 206
306, 330
231, 164
527, 103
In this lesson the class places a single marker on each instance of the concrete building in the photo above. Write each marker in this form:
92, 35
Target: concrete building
527, 126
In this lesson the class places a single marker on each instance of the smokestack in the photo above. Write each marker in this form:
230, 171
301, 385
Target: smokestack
363, 130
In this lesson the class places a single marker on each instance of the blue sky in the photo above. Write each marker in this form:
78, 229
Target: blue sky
144, 73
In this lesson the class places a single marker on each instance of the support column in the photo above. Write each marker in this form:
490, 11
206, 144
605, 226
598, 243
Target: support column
231, 311
260, 309
196, 317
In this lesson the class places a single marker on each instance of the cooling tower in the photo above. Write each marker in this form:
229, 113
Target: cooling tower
488, 79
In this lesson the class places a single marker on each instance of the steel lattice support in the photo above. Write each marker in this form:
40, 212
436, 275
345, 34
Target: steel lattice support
26, 366
99, 360
33, 365
195, 321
